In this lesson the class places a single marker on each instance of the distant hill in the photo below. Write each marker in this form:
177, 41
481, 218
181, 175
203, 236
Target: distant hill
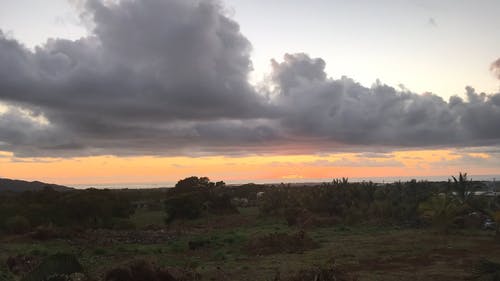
20, 186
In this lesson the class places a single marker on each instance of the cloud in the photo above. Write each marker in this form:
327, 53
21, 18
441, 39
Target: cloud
297, 70
345, 111
147, 67
356, 162
495, 68
164, 77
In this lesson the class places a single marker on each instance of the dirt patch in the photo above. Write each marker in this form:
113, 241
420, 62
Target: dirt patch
319, 274
142, 270
280, 243
104, 237
410, 262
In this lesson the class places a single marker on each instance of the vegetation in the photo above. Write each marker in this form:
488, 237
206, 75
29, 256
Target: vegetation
201, 230
487, 270
56, 267
192, 196
85, 208
274, 243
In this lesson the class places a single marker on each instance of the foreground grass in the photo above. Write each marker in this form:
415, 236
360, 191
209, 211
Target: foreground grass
371, 253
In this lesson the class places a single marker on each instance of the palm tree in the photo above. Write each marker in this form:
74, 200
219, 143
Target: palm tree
462, 187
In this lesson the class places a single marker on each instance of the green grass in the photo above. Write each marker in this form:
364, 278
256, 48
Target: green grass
372, 253
143, 218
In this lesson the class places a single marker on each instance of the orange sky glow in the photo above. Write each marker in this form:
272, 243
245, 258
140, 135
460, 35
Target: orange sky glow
284, 168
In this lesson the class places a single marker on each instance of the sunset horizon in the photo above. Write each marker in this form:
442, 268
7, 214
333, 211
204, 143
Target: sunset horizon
236, 140
98, 92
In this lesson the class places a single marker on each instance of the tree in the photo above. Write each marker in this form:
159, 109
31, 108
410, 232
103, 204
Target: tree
194, 182
220, 184
462, 187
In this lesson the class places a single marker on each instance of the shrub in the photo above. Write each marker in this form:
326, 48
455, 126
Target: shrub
275, 243
47, 232
100, 252
440, 211
55, 267
17, 225
190, 205
219, 203
6, 276
184, 206
197, 244
273, 201
486, 270
123, 224
21, 264
141, 270
292, 215
320, 274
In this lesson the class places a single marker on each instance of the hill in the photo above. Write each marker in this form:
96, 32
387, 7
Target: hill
20, 185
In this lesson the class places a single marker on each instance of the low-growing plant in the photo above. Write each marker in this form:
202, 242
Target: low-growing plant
486, 270
17, 225
143, 270
55, 265
331, 273
275, 243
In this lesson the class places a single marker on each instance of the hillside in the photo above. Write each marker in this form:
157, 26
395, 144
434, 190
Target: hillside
20, 185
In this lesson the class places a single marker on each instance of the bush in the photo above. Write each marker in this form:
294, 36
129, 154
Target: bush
48, 232
6, 276
292, 215
486, 270
441, 211
141, 270
17, 225
21, 264
320, 274
123, 224
84, 208
55, 267
190, 205
100, 252
219, 204
184, 206
274, 200
197, 244
281, 243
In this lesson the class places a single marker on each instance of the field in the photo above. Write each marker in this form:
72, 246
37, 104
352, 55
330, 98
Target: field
217, 247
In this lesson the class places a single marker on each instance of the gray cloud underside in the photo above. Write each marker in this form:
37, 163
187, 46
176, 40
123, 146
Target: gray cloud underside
495, 68
171, 77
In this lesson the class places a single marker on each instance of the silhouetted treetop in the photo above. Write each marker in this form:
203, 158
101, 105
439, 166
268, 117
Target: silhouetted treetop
197, 182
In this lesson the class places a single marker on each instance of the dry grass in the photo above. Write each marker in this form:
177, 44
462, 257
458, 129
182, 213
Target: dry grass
365, 252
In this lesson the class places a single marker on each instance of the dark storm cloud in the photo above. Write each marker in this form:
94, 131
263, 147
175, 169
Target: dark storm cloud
171, 77
147, 65
151, 59
29, 132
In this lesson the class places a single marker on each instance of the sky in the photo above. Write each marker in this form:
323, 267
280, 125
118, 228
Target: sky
142, 91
